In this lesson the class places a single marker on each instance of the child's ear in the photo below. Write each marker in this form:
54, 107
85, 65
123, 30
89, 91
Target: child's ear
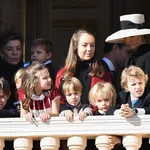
126, 89
9, 94
49, 55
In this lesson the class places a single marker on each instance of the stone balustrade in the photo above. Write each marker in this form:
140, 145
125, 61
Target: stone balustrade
76, 132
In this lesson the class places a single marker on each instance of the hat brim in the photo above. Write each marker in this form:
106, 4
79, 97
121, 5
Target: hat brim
118, 37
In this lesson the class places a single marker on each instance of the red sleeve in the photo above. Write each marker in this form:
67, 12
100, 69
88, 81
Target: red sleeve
20, 94
55, 93
59, 77
106, 78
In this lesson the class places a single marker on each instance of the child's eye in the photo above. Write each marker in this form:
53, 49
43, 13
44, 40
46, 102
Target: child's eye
106, 100
84, 45
99, 100
9, 48
38, 52
68, 94
76, 93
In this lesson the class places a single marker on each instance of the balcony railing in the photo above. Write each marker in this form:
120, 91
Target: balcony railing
76, 132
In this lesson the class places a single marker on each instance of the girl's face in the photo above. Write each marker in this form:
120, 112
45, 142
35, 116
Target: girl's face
39, 54
73, 97
103, 104
44, 82
134, 41
3, 99
135, 86
86, 47
12, 52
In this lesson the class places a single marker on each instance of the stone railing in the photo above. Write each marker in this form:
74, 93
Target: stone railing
76, 132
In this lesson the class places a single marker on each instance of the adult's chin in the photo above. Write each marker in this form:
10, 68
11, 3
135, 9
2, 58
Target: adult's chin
14, 63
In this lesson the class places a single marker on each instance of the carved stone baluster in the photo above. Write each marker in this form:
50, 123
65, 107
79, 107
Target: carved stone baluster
23, 144
50, 143
102, 143
132, 142
77, 143
1, 143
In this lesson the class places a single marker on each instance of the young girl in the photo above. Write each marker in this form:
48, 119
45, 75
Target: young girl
38, 96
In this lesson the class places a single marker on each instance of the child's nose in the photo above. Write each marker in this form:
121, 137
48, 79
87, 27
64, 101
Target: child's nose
73, 95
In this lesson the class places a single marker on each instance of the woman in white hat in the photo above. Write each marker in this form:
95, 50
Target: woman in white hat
133, 34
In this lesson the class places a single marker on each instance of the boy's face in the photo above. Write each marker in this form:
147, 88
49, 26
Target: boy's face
73, 97
103, 104
39, 54
136, 86
3, 99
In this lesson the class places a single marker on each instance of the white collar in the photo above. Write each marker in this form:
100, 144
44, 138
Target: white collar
109, 63
133, 98
101, 112
47, 62
38, 97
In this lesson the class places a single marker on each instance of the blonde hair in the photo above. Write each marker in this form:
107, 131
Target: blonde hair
19, 74
132, 71
71, 84
103, 90
30, 80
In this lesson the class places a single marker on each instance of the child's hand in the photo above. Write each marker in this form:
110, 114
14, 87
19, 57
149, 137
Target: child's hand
82, 115
68, 115
126, 111
113, 140
45, 116
29, 117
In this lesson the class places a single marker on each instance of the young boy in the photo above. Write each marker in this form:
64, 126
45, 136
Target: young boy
4, 96
103, 96
72, 90
135, 99
41, 51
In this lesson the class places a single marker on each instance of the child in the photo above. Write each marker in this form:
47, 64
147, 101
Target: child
4, 96
72, 90
18, 81
41, 51
103, 96
38, 98
135, 99
18, 77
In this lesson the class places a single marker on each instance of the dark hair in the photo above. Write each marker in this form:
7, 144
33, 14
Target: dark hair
4, 85
8, 36
47, 44
109, 46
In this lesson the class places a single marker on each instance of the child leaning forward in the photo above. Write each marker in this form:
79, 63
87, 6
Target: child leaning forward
103, 96
72, 90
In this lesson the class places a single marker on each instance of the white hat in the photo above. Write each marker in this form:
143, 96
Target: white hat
131, 25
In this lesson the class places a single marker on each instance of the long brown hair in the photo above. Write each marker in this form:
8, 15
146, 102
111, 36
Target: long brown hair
72, 57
